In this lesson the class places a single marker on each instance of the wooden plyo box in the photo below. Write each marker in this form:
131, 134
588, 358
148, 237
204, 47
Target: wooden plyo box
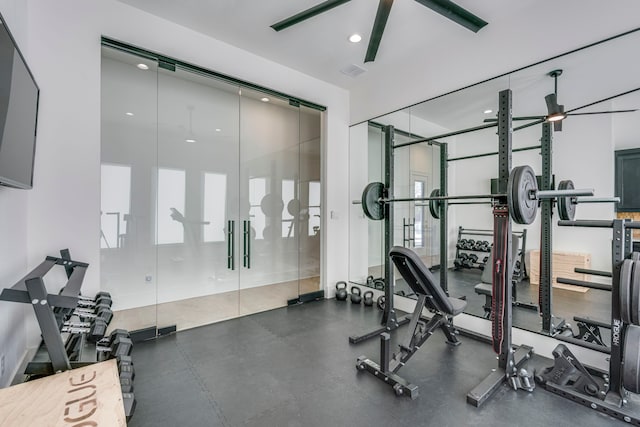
88, 396
563, 264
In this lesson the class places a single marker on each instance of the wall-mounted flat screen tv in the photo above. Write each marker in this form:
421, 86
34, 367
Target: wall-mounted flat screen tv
18, 114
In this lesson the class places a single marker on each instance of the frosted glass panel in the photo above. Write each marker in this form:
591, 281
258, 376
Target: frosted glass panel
314, 208
170, 207
215, 198
288, 195
257, 191
128, 154
115, 197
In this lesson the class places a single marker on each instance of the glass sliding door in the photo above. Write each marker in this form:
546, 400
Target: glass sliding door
128, 168
196, 199
211, 196
307, 209
269, 175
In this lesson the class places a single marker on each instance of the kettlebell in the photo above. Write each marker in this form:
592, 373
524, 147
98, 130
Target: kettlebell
341, 291
356, 295
370, 281
379, 284
380, 302
367, 298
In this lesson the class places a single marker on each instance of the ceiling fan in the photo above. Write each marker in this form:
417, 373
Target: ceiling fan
556, 113
446, 8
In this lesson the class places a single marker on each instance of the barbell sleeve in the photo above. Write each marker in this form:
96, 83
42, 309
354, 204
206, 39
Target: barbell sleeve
552, 194
595, 223
598, 200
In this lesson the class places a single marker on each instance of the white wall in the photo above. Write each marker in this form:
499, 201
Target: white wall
61, 42
13, 229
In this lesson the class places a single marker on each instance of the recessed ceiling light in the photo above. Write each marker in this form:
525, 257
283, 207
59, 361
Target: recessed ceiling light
488, 111
218, 129
265, 99
189, 140
143, 66
355, 38
128, 113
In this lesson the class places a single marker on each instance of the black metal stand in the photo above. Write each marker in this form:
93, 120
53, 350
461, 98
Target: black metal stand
603, 392
389, 318
31, 290
510, 362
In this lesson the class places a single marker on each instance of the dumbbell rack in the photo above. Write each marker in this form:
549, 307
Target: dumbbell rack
518, 274
31, 290
604, 391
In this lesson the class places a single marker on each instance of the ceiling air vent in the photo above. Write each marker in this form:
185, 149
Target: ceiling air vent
352, 70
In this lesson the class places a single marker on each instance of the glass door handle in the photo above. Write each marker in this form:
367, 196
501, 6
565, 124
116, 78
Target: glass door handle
231, 229
246, 252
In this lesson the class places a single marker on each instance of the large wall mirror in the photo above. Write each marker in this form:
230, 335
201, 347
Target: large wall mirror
599, 86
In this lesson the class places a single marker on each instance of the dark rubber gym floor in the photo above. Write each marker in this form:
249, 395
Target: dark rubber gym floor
295, 367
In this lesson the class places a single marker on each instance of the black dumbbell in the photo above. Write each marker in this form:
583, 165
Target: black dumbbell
94, 330
462, 243
356, 295
129, 401
100, 310
116, 345
341, 291
471, 259
100, 298
470, 244
459, 262
367, 298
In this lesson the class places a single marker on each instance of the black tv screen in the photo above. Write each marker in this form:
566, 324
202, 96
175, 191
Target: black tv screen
18, 114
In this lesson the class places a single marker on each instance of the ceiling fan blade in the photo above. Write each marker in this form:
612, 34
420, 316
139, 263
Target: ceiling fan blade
457, 14
384, 8
603, 100
602, 112
537, 122
306, 14
552, 103
516, 118
557, 126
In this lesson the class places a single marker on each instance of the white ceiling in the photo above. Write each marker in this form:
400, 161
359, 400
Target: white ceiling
422, 54
319, 46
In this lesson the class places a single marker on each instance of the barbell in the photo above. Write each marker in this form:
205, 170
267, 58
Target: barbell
567, 205
522, 196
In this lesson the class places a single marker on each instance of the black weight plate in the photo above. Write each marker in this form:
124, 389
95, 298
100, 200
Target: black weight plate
371, 205
293, 207
566, 209
635, 293
631, 359
522, 180
271, 205
625, 290
434, 205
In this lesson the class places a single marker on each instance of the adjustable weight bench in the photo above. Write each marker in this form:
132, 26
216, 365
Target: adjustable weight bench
431, 296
